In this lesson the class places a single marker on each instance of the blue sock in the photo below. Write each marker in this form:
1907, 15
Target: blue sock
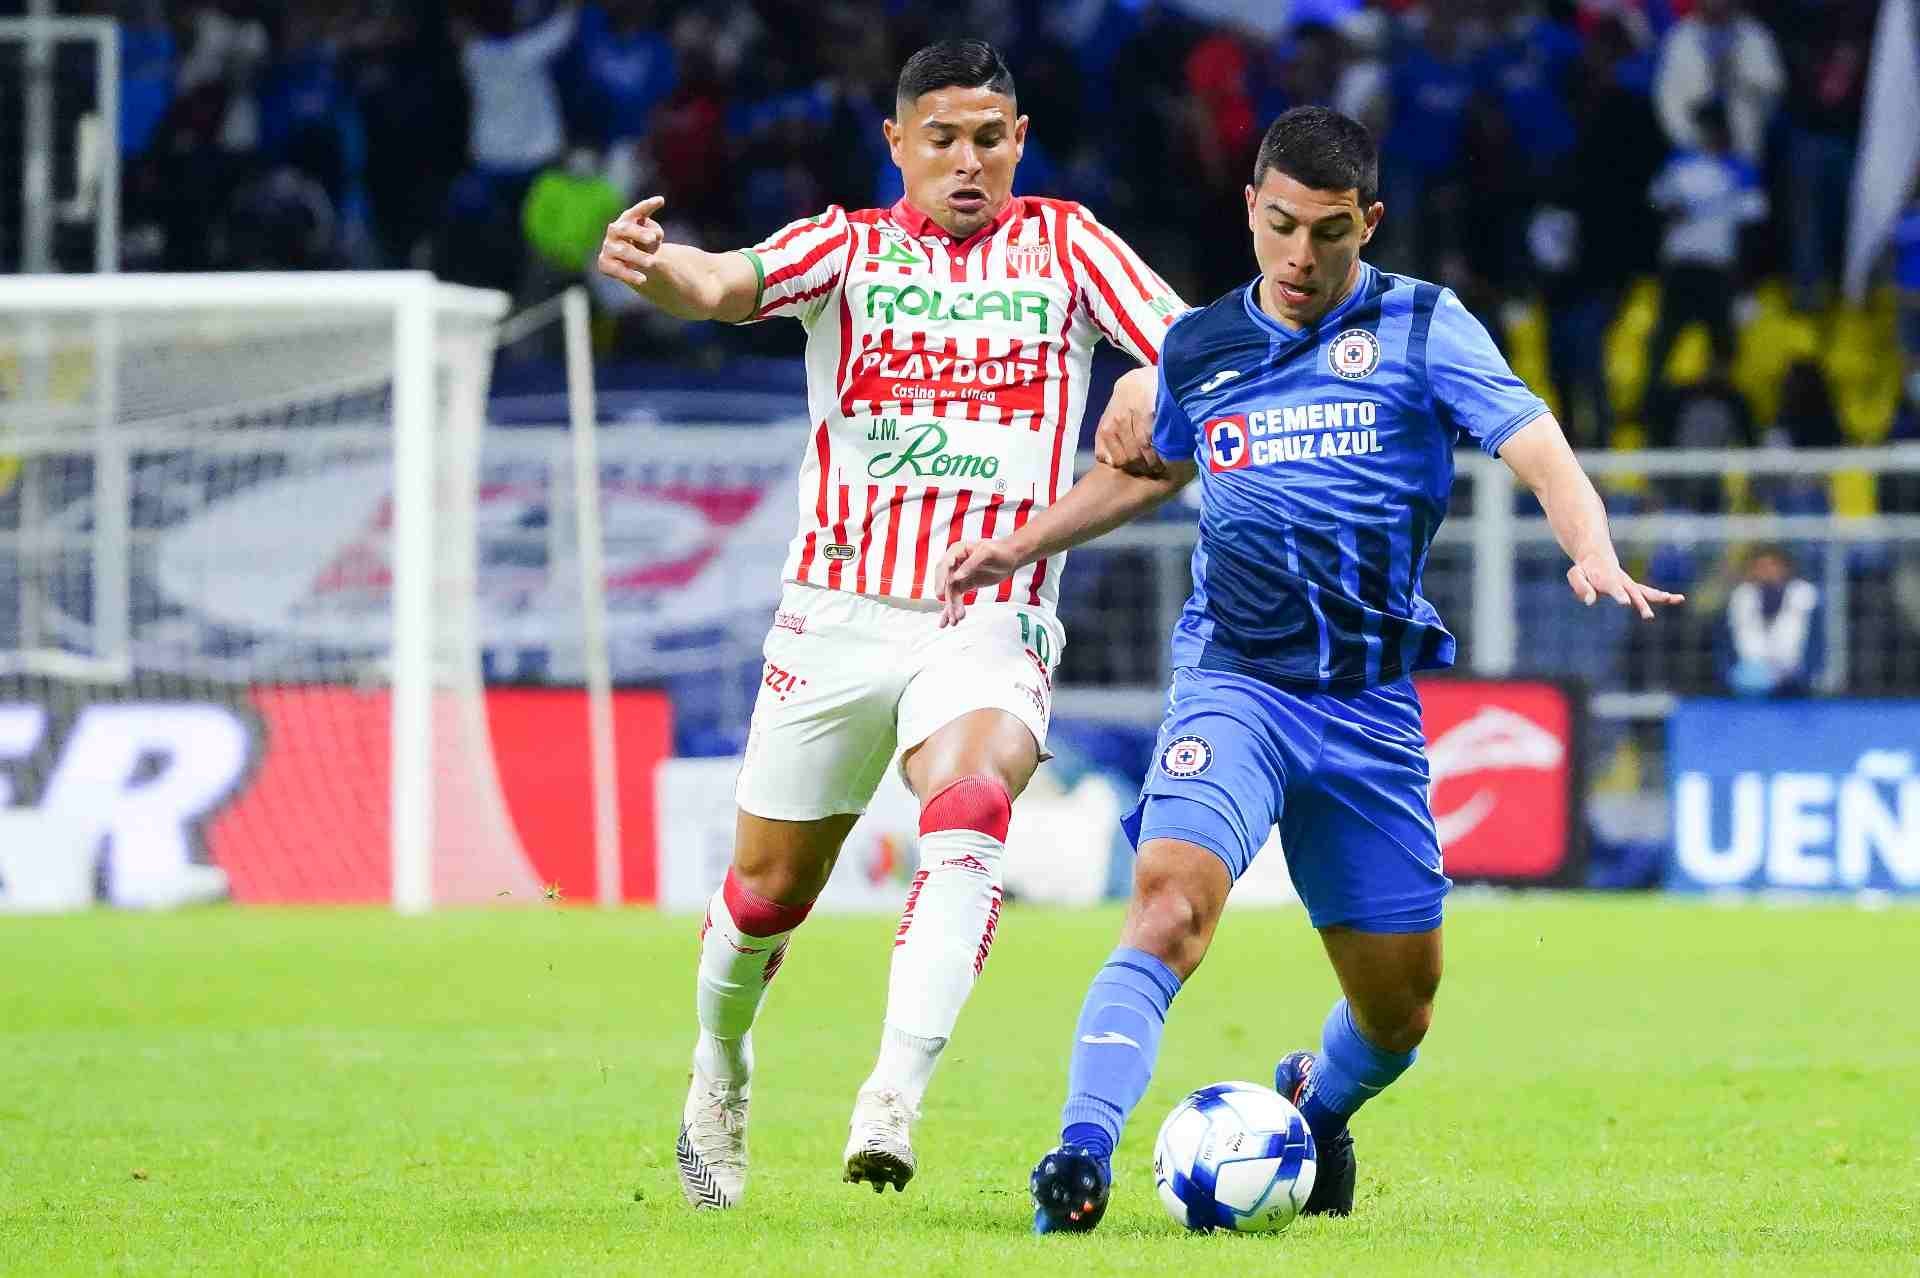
1114, 1047
1349, 1072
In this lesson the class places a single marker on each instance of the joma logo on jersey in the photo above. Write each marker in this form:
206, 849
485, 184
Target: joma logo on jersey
1016, 306
926, 456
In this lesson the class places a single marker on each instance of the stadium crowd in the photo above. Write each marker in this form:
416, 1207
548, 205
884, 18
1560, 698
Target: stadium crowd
1541, 153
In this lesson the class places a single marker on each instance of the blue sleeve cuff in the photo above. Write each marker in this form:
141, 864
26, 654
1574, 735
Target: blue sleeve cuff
1493, 440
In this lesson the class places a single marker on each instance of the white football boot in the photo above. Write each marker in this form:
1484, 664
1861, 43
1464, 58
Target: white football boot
879, 1150
712, 1149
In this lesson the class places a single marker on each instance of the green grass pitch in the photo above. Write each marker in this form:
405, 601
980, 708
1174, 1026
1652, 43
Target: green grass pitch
1612, 1086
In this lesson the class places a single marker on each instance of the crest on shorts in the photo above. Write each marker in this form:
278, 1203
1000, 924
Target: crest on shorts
1186, 757
1354, 354
1028, 259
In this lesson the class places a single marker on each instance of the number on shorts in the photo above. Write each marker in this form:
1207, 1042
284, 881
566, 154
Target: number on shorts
1035, 637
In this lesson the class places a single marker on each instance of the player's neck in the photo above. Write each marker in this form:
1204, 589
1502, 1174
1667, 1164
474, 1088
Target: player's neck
1274, 313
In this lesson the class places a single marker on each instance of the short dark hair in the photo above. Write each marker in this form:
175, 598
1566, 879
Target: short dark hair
1322, 149
965, 64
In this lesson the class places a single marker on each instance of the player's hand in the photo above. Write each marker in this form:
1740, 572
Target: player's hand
626, 254
968, 566
1598, 575
1124, 438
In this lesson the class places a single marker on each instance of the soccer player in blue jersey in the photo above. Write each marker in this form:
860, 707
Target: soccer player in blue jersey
1319, 405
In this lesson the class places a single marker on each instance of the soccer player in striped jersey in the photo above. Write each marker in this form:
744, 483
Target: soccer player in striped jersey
1319, 405
949, 344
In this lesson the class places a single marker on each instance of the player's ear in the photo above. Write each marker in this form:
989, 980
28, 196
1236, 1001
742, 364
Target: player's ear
895, 135
1250, 199
1020, 138
1375, 211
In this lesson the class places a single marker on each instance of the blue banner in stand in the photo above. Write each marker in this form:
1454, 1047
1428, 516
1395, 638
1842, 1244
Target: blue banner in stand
1800, 796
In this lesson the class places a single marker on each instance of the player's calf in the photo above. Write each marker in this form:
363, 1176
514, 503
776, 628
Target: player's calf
743, 942
939, 950
1350, 1069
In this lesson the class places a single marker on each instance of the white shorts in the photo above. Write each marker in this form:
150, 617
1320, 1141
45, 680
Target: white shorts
852, 679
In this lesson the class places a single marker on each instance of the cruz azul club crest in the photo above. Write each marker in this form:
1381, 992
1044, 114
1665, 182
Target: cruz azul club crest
1354, 354
1186, 757
1028, 259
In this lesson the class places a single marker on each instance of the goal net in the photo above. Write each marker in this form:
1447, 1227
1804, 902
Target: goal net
238, 646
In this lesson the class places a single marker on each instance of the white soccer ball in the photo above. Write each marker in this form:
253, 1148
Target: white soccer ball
1234, 1156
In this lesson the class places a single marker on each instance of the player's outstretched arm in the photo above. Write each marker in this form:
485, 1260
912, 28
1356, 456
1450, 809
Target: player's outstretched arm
1539, 454
1103, 499
678, 278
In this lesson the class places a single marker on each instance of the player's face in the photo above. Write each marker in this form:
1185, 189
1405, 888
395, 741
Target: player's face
957, 150
1308, 245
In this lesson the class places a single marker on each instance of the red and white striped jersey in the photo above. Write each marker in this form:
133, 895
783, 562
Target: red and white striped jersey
946, 380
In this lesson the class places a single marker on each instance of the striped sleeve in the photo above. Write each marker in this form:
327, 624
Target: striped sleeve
800, 265
1131, 305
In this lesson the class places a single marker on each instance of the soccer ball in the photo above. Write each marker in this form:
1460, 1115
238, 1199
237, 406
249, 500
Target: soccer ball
1234, 1156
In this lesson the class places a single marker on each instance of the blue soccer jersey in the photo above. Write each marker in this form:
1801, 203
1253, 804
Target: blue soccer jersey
1325, 459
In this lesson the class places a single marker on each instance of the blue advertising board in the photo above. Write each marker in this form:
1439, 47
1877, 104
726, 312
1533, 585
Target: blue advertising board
1805, 796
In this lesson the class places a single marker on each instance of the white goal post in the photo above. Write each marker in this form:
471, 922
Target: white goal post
178, 448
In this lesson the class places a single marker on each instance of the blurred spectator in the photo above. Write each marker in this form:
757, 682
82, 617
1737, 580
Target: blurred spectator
1528, 69
621, 67
408, 88
516, 126
1708, 414
1592, 235
147, 75
1709, 194
1906, 284
1719, 54
1772, 641
687, 132
515, 130
567, 211
1430, 85
1829, 75
1806, 419
1362, 89
282, 220
229, 48
178, 190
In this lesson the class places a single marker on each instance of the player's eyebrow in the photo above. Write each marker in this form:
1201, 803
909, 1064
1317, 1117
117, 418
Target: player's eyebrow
962, 126
1274, 206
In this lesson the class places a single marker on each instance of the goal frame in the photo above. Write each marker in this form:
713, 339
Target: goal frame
415, 301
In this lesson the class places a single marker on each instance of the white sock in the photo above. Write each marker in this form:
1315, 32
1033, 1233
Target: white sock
906, 1063
939, 950
735, 970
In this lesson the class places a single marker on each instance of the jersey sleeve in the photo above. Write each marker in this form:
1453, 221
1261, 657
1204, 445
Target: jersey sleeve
1131, 306
800, 266
1174, 437
1474, 391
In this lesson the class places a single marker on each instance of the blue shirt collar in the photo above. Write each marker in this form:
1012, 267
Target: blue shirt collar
1250, 298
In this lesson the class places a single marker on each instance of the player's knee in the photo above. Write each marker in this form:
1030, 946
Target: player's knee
1169, 920
978, 802
787, 863
1400, 1023
1411, 1027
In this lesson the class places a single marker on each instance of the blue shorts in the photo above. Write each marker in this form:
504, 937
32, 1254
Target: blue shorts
1344, 776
